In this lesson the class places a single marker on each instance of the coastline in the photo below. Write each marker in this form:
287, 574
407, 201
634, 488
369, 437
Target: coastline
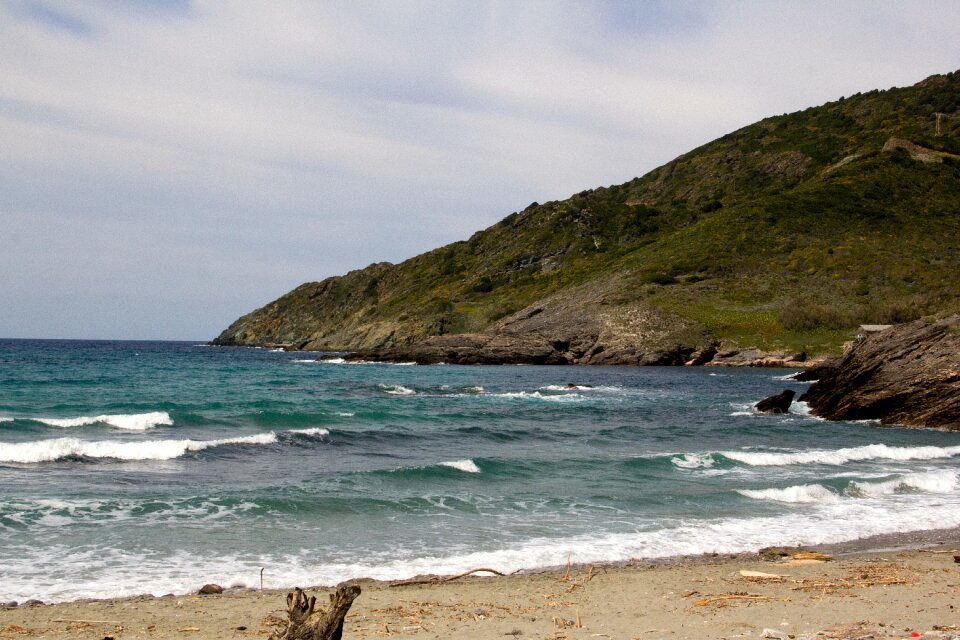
889, 585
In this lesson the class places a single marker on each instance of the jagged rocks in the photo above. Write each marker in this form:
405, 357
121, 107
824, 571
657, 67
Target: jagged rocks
779, 403
908, 374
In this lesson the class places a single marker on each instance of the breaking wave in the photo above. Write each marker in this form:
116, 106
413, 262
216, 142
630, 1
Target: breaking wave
840, 456
131, 421
397, 390
804, 493
467, 466
62, 448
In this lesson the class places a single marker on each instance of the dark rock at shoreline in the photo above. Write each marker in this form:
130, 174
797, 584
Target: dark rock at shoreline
908, 375
210, 589
779, 403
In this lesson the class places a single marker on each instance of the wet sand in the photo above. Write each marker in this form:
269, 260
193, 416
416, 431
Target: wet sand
903, 585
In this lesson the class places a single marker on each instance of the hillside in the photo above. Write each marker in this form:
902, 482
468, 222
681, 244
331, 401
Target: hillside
784, 235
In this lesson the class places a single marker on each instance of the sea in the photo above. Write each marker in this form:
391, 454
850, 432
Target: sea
155, 467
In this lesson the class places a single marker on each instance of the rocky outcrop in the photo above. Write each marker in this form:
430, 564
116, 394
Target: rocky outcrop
779, 403
757, 358
578, 326
908, 375
918, 153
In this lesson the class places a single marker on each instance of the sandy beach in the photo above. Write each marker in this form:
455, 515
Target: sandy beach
905, 587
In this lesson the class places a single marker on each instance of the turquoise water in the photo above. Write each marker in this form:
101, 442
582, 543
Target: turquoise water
154, 467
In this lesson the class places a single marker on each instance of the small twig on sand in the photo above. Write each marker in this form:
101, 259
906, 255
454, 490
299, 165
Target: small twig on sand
70, 621
714, 599
438, 580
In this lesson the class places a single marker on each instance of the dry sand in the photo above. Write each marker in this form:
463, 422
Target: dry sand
885, 594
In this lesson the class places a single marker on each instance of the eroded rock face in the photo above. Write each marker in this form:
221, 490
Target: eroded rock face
575, 327
908, 374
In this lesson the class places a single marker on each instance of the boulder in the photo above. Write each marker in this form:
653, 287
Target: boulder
778, 403
210, 589
908, 374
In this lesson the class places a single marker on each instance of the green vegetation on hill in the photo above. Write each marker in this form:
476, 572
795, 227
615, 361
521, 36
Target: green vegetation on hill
784, 234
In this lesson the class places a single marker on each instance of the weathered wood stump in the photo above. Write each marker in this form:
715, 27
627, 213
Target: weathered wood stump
306, 624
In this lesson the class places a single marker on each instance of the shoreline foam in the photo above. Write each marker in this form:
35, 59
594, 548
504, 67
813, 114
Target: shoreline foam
907, 583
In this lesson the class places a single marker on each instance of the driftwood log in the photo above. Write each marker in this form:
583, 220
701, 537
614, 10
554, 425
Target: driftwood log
305, 623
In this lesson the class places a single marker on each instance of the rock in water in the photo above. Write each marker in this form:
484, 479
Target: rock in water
779, 403
908, 374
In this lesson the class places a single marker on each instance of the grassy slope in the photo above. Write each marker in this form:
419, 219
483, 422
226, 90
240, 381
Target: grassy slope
786, 233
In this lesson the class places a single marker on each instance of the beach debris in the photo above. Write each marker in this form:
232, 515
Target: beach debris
440, 580
864, 576
792, 553
189, 629
77, 621
563, 623
32, 603
760, 576
566, 574
774, 633
584, 579
306, 623
210, 589
729, 598
778, 403
8, 605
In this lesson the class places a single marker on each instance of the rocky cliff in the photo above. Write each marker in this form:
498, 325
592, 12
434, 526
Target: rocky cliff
908, 375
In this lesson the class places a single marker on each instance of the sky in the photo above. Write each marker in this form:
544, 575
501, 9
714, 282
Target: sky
166, 167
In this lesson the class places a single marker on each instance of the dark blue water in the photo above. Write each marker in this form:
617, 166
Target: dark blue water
132, 467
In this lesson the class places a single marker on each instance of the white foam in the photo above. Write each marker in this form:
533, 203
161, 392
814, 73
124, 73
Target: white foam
801, 408
59, 448
70, 572
397, 390
941, 481
468, 466
6, 419
312, 431
306, 361
345, 414
803, 493
131, 422
327, 361
536, 395
841, 456
693, 461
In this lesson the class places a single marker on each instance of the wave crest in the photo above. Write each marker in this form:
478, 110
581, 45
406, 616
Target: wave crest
943, 481
693, 461
467, 466
804, 493
397, 390
128, 421
61, 448
840, 456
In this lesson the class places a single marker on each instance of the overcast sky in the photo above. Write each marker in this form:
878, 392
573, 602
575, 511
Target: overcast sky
166, 167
